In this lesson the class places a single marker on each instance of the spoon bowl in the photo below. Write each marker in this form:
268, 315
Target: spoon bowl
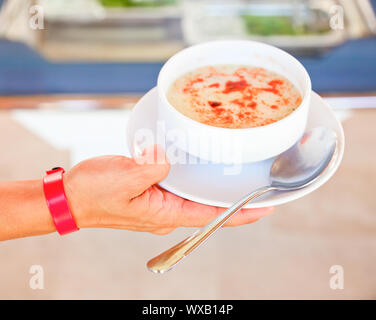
303, 163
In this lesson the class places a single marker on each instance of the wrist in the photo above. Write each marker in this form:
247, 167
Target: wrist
76, 201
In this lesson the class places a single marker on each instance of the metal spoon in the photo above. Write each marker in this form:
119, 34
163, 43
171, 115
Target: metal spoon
294, 169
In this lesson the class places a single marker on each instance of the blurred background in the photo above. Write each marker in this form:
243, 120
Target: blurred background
70, 73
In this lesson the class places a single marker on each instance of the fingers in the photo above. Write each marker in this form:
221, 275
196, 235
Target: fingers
197, 215
150, 168
163, 232
192, 214
247, 216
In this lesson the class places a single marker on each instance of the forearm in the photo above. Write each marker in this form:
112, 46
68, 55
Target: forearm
23, 210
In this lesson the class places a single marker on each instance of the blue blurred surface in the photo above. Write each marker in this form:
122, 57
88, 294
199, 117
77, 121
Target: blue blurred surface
22, 71
348, 68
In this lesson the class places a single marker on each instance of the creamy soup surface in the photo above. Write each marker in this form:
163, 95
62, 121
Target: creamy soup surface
234, 96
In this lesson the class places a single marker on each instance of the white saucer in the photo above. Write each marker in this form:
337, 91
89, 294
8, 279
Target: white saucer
207, 183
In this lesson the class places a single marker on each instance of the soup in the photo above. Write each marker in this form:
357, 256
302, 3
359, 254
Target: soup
234, 96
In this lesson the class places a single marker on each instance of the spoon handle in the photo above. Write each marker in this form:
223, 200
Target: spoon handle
168, 259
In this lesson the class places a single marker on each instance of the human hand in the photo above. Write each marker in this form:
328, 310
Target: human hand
120, 192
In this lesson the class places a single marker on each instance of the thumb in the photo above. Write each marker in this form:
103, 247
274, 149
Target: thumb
150, 168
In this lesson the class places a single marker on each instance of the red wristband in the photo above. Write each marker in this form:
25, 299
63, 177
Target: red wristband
57, 201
